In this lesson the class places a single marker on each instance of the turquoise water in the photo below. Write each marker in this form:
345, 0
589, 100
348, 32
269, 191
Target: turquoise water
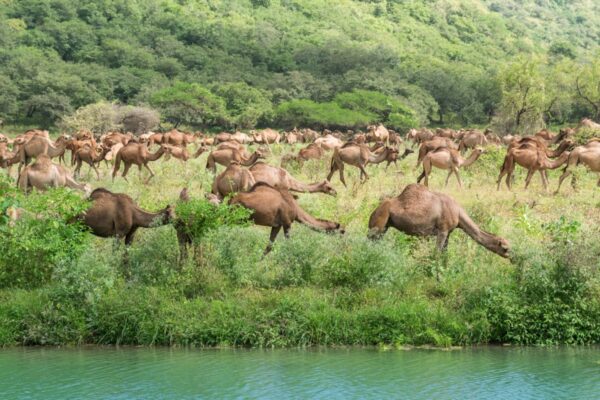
135, 373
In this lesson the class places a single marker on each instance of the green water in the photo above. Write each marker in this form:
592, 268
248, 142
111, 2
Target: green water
131, 373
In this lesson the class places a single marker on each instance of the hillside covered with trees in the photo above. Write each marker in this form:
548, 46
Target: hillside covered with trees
243, 63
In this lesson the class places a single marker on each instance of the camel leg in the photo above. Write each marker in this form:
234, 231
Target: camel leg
151, 173
448, 178
363, 172
341, 169
332, 170
502, 173
455, 170
286, 231
95, 169
528, 178
544, 176
442, 240
274, 232
127, 166
564, 175
420, 178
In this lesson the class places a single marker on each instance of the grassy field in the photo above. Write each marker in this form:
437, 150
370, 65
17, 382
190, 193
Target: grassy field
320, 289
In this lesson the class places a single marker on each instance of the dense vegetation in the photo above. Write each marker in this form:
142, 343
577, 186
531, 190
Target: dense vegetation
242, 63
314, 288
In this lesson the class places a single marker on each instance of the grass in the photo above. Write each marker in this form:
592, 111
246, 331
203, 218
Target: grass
320, 289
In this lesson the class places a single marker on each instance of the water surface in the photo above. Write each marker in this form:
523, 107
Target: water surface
162, 373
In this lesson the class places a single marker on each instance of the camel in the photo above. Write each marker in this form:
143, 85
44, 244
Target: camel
234, 179
44, 174
39, 145
117, 215
291, 137
113, 138
280, 178
417, 211
448, 159
329, 142
357, 155
435, 143
226, 156
587, 123
378, 133
588, 155
278, 209
177, 138
266, 136
241, 138
472, 139
203, 148
90, 156
445, 132
393, 156
135, 153
181, 153
419, 136
222, 137
531, 157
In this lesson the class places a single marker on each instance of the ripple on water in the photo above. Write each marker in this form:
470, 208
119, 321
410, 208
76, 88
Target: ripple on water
133, 373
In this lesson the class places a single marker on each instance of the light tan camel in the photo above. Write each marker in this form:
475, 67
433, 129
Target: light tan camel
266, 136
278, 209
226, 156
44, 174
448, 159
181, 153
117, 215
433, 144
417, 211
378, 133
280, 178
531, 157
138, 154
234, 179
588, 155
418, 136
177, 138
90, 156
241, 138
39, 145
472, 139
357, 155
329, 142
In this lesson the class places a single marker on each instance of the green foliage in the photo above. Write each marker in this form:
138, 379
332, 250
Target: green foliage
318, 115
245, 105
198, 217
44, 237
189, 104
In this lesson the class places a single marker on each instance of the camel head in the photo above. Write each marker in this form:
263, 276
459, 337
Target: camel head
327, 188
168, 214
500, 246
213, 198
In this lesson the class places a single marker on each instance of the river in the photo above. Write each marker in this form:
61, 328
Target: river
163, 373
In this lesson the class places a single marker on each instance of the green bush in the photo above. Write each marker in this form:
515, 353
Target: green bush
46, 235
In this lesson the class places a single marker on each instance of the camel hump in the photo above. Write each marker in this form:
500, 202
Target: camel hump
258, 185
99, 192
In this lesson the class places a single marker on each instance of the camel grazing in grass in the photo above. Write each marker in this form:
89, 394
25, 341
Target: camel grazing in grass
40, 145
417, 211
433, 144
227, 156
117, 215
44, 174
181, 153
278, 209
138, 154
448, 159
357, 155
280, 178
588, 155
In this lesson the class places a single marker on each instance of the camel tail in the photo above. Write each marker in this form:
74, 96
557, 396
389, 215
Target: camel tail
378, 222
23, 180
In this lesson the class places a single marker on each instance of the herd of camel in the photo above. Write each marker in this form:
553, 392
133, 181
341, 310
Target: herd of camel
267, 190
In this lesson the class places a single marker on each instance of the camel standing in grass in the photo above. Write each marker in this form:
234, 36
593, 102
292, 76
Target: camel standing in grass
40, 145
44, 174
588, 155
357, 155
433, 144
117, 215
176, 138
531, 157
419, 212
472, 139
138, 154
90, 156
227, 156
448, 159
280, 178
278, 209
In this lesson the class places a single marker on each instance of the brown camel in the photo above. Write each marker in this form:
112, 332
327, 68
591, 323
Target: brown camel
44, 174
181, 153
329, 142
138, 154
418, 136
266, 136
280, 178
117, 215
234, 179
278, 209
588, 155
226, 156
377, 133
357, 155
39, 145
433, 144
531, 157
448, 159
417, 211
472, 139
177, 138
90, 156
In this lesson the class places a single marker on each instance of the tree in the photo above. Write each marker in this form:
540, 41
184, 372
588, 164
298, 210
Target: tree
189, 103
587, 85
245, 105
